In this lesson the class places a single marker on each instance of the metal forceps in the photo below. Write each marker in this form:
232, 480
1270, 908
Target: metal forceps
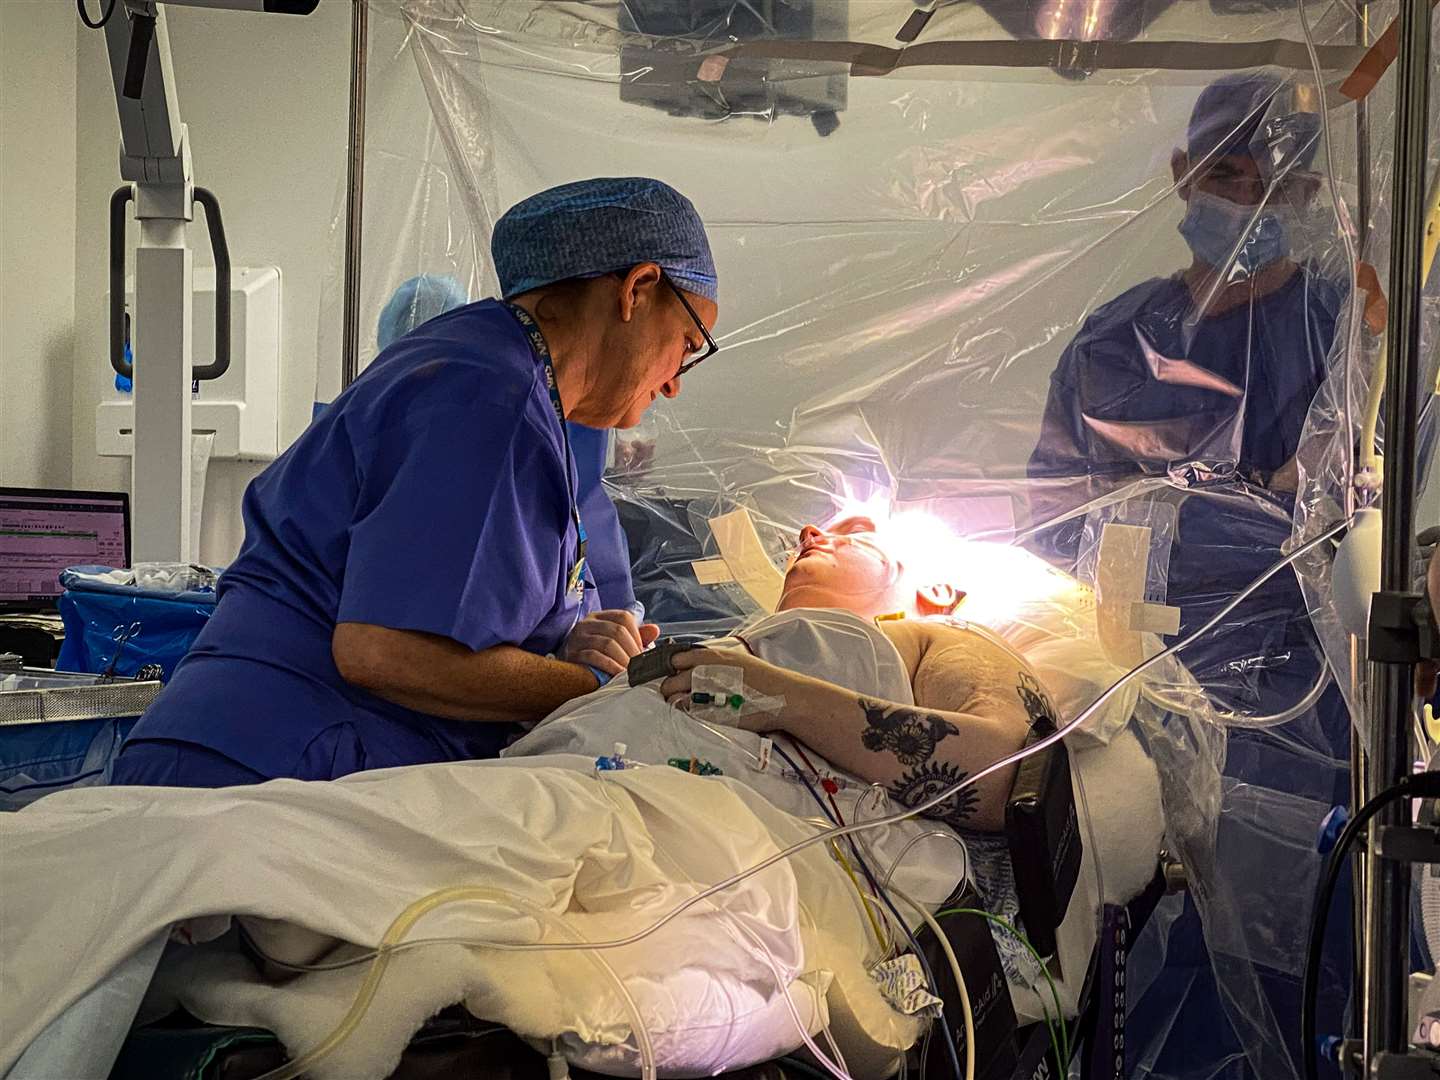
121, 635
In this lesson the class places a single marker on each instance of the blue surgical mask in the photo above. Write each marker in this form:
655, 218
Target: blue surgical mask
1223, 234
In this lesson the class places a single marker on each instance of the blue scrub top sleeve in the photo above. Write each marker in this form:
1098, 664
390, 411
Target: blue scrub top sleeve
461, 528
1060, 449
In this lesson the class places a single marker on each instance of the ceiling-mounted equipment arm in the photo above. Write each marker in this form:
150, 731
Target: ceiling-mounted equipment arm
152, 138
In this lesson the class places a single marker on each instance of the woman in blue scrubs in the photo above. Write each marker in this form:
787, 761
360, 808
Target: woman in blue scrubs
414, 579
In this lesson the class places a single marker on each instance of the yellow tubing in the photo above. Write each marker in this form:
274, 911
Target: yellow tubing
1431, 240
397, 933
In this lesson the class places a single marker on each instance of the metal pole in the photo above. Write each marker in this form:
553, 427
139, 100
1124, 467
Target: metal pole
1389, 924
1360, 865
1359, 764
354, 193
160, 480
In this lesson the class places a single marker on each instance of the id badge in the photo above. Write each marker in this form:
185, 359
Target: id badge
576, 582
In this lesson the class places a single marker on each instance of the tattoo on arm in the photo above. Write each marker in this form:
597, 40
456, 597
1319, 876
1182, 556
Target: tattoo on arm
1036, 701
926, 781
912, 735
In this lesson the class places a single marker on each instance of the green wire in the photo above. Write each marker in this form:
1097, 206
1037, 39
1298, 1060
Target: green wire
1064, 1040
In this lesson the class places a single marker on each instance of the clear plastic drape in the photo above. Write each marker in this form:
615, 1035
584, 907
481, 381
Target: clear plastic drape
957, 262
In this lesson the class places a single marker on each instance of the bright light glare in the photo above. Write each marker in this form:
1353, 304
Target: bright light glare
1074, 20
997, 579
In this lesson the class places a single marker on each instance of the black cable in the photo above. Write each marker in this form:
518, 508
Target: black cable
1424, 785
85, 16
950, 1046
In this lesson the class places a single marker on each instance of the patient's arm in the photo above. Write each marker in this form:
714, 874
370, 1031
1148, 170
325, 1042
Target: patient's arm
914, 751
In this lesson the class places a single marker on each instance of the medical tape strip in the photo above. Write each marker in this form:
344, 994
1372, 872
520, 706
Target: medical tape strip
1120, 588
867, 60
712, 572
744, 553
1154, 618
731, 697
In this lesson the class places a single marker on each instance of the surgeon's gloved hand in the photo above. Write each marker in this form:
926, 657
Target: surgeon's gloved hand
606, 640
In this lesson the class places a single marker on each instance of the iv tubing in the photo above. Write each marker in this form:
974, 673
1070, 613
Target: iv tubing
394, 936
1304, 705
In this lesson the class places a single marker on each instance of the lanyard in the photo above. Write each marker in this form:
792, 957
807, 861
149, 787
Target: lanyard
574, 582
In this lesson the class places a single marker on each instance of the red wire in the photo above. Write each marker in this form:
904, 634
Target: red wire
828, 785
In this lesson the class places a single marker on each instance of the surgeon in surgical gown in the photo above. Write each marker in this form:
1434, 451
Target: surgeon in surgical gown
428, 296
413, 580
1202, 381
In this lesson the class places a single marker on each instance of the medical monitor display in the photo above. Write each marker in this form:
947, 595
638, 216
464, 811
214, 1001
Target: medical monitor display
43, 532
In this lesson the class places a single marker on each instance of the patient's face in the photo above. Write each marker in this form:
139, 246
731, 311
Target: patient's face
844, 567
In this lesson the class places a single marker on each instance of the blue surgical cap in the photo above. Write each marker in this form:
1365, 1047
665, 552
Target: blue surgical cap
598, 226
418, 301
1249, 113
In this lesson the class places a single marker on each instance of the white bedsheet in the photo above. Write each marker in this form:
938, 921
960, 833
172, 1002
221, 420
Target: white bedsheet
91, 875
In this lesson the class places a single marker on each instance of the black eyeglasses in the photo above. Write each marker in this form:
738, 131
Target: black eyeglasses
710, 347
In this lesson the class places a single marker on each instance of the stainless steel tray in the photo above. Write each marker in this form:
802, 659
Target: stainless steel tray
38, 696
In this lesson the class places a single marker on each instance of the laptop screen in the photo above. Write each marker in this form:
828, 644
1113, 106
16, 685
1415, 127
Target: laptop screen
43, 532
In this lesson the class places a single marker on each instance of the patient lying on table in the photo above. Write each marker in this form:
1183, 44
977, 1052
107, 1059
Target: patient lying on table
912, 706
864, 712
872, 714
974, 698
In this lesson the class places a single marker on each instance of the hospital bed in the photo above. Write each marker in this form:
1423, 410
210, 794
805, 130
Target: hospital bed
171, 1049
1046, 848
454, 1043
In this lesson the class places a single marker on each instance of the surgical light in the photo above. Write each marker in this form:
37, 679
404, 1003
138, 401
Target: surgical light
999, 581
1074, 20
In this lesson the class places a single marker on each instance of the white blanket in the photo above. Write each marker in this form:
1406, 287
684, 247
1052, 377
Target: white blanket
90, 875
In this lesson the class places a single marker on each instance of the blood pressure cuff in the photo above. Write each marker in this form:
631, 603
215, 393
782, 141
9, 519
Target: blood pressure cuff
1042, 828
